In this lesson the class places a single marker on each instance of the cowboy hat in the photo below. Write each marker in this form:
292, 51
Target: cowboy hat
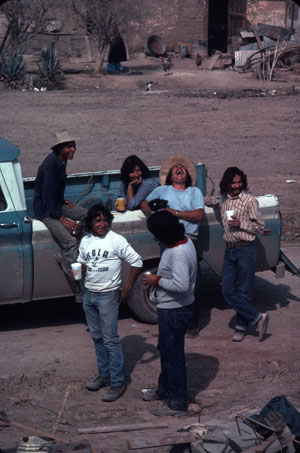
171, 162
62, 137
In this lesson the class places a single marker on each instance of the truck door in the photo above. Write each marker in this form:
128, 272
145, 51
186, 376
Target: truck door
15, 248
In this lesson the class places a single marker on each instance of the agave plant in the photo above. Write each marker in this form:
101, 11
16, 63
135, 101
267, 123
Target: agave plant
12, 68
50, 70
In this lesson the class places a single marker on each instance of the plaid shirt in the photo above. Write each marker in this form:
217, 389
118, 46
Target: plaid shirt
246, 210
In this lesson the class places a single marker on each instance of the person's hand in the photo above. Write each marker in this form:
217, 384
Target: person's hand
125, 293
70, 204
234, 221
72, 226
149, 280
136, 181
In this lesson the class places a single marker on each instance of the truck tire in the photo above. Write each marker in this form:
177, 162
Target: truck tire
139, 302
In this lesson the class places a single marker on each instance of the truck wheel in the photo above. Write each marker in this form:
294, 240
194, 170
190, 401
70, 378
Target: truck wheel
139, 302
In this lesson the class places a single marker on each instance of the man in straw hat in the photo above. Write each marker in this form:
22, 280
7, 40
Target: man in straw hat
59, 215
178, 177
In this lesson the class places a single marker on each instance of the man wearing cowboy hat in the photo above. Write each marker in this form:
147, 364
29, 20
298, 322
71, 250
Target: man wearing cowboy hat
177, 177
59, 215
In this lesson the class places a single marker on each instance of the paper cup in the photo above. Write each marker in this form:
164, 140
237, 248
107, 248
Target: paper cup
76, 268
229, 214
120, 204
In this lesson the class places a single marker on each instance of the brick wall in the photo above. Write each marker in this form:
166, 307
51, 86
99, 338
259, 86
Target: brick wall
172, 20
267, 12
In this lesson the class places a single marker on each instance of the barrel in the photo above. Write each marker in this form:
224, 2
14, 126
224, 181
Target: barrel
155, 47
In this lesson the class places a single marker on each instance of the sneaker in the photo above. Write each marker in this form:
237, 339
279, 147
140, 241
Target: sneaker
165, 411
97, 383
238, 335
113, 394
262, 326
152, 396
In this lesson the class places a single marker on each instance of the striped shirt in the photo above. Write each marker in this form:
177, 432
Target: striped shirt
246, 209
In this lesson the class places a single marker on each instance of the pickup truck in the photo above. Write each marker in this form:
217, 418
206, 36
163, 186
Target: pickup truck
28, 267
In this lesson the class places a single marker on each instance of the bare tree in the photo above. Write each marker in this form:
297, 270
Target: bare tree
105, 20
25, 19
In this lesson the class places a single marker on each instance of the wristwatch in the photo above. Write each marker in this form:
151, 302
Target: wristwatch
177, 213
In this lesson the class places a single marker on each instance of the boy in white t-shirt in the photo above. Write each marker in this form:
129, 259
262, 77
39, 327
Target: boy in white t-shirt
101, 253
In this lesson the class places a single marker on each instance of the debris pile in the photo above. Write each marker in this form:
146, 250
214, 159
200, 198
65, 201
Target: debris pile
272, 50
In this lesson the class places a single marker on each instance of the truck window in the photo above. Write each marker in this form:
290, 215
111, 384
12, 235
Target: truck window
3, 204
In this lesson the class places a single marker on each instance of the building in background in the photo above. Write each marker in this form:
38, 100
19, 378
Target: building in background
207, 25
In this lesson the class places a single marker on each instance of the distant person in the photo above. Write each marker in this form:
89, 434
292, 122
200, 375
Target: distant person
117, 53
173, 292
59, 215
178, 177
136, 182
101, 253
245, 221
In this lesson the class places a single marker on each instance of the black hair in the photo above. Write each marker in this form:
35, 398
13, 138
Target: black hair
94, 212
188, 181
229, 174
129, 165
57, 149
166, 227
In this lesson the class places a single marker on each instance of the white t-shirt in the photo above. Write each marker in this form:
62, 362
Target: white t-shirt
103, 258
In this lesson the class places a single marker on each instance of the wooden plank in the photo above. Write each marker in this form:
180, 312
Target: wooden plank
259, 43
210, 62
172, 439
35, 431
117, 428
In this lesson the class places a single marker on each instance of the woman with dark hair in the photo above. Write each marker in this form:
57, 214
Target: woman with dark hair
136, 182
174, 295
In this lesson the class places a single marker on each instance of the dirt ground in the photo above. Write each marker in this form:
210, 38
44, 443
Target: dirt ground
221, 118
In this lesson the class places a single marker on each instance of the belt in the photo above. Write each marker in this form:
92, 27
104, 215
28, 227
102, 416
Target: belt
232, 245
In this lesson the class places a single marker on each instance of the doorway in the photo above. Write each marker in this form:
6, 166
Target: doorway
217, 26
225, 20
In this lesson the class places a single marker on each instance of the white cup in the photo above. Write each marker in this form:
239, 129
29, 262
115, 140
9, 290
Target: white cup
229, 214
76, 268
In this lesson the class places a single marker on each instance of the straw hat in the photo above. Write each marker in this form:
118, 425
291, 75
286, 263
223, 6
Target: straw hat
171, 162
62, 137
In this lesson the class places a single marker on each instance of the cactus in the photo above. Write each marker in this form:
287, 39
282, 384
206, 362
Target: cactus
50, 71
12, 68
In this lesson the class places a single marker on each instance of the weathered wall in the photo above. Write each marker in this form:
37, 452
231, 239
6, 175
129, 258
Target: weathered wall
3, 25
267, 12
173, 21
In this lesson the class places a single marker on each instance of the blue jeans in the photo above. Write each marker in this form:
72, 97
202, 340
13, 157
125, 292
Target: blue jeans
238, 284
172, 382
101, 311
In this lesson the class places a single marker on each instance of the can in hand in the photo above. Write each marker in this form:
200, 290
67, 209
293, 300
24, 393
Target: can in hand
74, 232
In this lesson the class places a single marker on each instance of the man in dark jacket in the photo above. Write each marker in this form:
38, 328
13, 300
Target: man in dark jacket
59, 215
